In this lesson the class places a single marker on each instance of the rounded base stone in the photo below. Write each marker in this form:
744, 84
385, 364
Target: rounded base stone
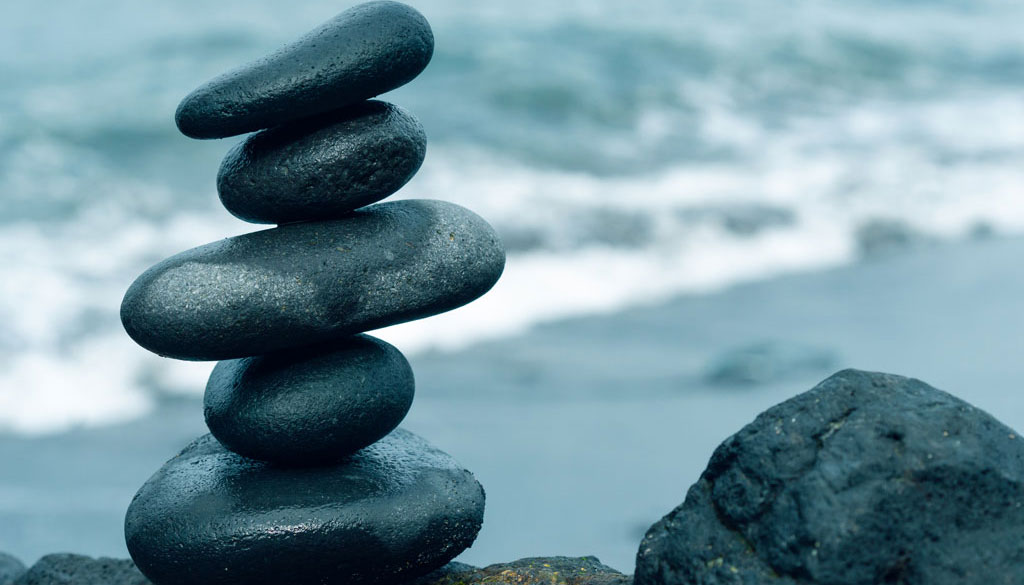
391, 512
309, 406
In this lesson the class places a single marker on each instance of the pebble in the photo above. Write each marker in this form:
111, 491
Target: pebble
323, 167
529, 571
365, 51
306, 283
392, 512
69, 569
311, 405
10, 569
768, 362
867, 478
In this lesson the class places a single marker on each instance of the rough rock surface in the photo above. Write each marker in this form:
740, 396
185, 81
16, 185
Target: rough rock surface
868, 478
309, 406
10, 569
365, 51
531, 571
393, 511
323, 167
306, 283
68, 569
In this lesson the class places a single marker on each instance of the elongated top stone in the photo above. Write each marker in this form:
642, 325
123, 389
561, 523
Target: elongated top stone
393, 511
365, 51
322, 167
305, 283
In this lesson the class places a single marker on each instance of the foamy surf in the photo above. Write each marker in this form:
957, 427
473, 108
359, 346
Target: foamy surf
697, 230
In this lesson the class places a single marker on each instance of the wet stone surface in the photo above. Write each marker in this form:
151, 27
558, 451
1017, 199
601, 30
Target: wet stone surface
309, 406
323, 167
393, 511
363, 52
307, 283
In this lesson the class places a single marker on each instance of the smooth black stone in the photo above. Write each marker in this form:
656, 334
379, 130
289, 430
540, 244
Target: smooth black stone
394, 511
311, 405
10, 569
365, 51
868, 478
306, 283
68, 569
323, 167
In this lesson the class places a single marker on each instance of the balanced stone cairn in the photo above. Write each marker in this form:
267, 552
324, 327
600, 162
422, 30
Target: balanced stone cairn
304, 478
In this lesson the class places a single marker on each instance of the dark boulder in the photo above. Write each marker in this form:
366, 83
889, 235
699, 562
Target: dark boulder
309, 406
306, 283
866, 479
391, 512
365, 51
322, 167
68, 569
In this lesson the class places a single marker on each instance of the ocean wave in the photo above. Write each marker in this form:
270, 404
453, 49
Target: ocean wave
626, 153
595, 245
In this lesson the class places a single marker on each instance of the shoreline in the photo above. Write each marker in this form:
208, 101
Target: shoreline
586, 431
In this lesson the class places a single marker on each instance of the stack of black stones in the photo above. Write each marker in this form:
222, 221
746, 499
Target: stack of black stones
305, 478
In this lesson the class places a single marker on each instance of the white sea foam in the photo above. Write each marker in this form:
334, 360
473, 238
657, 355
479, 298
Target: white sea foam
66, 361
831, 195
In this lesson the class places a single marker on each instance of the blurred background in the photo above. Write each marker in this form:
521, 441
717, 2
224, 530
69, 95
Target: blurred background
708, 206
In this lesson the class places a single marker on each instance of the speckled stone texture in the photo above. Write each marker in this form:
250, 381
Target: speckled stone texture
10, 569
312, 405
531, 571
68, 569
305, 283
322, 167
365, 51
395, 510
866, 479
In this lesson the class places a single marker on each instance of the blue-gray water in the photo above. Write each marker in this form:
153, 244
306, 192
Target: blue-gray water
627, 152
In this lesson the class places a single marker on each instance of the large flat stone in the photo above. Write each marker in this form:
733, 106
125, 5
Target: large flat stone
866, 479
322, 167
391, 512
365, 51
313, 405
305, 283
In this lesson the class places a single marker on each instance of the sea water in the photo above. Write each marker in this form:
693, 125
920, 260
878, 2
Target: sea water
626, 151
